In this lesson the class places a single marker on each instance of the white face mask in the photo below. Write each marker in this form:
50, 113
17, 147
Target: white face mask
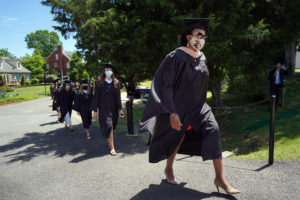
85, 91
197, 44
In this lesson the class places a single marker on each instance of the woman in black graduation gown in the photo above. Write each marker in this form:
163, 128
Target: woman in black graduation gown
55, 94
177, 107
65, 100
82, 105
107, 101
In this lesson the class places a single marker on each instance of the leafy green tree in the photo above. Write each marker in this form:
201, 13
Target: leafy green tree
76, 67
6, 53
35, 64
43, 42
136, 35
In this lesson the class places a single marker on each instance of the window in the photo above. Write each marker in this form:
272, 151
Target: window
18, 76
56, 56
30, 77
47, 66
25, 76
68, 65
13, 76
19, 65
55, 65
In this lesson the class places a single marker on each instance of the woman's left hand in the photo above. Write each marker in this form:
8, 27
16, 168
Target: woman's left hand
121, 113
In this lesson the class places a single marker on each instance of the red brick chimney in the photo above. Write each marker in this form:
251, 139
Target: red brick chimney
60, 59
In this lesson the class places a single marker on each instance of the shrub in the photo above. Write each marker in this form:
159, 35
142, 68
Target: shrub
22, 80
7, 88
50, 78
27, 82
1, 81
35, 81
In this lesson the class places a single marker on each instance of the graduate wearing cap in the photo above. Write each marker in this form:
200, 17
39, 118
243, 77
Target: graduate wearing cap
176, 113
107, 103
65, 101
82, 104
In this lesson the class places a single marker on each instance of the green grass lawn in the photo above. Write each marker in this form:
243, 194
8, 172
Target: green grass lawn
246, 131
26, 93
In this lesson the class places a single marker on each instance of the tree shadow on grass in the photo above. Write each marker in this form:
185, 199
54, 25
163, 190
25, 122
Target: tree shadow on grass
62, 142
171, 192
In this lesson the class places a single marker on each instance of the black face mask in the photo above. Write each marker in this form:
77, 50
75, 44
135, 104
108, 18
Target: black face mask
85, 87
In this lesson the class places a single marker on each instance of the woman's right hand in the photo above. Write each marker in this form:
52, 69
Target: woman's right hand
175, 121
95, 115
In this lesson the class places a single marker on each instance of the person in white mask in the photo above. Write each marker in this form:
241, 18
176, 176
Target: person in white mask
106, 104
65, 101
82, 105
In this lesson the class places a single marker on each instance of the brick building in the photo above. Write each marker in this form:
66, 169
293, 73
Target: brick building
58, 60
12, 71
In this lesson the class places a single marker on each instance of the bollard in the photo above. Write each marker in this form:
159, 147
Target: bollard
130, 125
271, 133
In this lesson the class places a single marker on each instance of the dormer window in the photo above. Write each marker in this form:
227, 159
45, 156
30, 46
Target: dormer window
19, 65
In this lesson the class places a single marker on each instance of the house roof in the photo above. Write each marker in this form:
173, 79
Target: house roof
9, 65
68, 53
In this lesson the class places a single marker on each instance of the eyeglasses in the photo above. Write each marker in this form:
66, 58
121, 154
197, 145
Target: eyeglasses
200, 36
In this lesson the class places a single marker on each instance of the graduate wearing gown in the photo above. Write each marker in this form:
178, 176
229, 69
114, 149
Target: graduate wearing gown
55, 94
107, 103
82, 104
176, 113
65, 101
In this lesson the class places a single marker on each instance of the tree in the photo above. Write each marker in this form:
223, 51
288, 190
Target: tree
6, 53
35, 64
43, 42
136, 35
77, 67
22, 80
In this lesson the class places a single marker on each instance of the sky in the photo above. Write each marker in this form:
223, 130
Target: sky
21, 17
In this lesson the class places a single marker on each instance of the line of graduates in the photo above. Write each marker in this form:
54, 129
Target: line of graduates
104, 100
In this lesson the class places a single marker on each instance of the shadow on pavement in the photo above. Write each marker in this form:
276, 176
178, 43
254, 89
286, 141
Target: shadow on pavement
50, 123
62, 142
166, 191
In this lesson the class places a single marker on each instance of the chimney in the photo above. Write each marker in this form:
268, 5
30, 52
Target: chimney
60, 58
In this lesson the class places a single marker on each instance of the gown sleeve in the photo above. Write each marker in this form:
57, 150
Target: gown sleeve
161, 99
118, 97
95, 99
76, 105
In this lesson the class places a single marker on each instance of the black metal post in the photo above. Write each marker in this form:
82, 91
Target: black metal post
130, 125
271, 133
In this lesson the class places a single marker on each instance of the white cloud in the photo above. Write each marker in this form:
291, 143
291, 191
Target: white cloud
8, 21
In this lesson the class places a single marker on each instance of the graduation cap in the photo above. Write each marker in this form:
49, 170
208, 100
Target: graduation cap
84, 81
66, 78
107, 66
196, 23
67, 81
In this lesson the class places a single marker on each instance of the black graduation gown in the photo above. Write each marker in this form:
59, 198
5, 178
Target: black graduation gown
82, 104
108, 102
65, 102
180, 86
54, 102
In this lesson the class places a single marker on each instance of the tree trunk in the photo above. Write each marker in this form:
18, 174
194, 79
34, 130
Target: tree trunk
216, 91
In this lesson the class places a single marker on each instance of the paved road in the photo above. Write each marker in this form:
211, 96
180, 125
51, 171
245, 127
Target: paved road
39, 159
